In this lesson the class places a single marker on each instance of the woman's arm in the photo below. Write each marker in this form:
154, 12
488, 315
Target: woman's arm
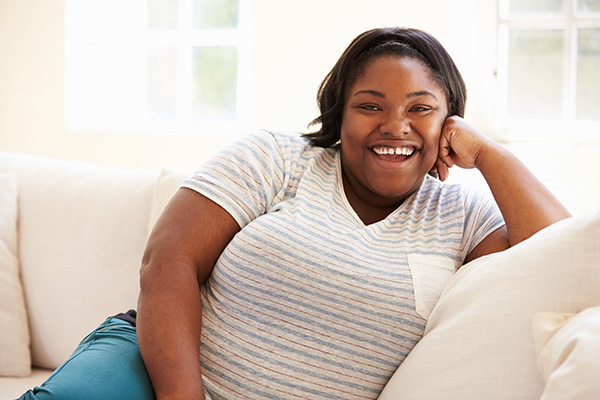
182, 249
526, 204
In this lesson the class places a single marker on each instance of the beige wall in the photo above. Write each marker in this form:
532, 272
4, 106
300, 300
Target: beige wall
296, 43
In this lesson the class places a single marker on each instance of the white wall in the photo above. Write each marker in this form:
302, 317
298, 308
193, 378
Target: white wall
296, 43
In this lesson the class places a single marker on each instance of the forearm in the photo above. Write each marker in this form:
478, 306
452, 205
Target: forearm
169, 327
526, 204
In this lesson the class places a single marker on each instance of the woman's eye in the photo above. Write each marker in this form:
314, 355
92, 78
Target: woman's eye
420, 108
370, 107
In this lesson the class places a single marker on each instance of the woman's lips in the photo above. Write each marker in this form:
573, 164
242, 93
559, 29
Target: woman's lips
393, 153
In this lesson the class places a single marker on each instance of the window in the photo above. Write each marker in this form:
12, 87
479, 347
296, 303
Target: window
158, 66
549, 59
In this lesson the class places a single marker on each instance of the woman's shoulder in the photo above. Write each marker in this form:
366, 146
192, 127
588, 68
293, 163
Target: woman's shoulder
281, 138
448, 195
433, 187
291, 146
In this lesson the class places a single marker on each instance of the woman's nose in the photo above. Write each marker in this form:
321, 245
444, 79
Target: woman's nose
396, 125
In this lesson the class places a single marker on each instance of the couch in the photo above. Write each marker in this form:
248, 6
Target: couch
71, 240
520, 324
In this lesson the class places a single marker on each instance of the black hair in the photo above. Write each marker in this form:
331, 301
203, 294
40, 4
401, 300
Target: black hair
368, 46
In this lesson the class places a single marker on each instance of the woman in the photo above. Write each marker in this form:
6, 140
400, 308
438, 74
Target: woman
294, 263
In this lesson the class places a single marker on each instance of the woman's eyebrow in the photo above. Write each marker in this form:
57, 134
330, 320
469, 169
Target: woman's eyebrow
410, 95
422, 93
372, 92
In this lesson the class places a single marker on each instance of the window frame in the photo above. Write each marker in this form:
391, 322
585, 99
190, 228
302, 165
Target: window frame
82, 113
567, 128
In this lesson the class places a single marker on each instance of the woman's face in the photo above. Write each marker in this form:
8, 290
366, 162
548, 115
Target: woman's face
391, 126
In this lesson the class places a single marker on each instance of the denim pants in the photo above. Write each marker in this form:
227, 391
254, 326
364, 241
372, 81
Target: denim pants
106, 365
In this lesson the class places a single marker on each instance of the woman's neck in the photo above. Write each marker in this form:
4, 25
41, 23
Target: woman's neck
369, 207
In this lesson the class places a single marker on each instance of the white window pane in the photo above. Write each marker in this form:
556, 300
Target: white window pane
215, 83
589, 5
162, 82
535, 73
136, 66
588, 74
215, 14
104, 64
162, 14
517, 7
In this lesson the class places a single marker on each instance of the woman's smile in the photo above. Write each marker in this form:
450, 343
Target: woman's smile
393, 156
405, 151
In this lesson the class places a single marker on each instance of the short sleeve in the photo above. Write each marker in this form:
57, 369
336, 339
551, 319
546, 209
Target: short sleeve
482, 217
247, 177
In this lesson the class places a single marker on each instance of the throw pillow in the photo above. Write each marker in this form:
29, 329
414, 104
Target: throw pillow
567, 347
15, 359
478, 342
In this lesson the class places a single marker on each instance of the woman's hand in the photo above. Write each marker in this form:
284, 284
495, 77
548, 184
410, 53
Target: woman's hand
461, 144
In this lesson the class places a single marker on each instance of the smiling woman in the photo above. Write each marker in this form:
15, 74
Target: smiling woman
306, 267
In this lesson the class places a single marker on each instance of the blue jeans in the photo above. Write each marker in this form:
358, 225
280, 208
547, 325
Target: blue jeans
106, 365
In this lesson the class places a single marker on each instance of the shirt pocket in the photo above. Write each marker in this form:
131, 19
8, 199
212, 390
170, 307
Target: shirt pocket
430, 274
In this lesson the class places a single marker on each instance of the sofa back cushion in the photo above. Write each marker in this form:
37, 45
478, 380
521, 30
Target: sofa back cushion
82, 232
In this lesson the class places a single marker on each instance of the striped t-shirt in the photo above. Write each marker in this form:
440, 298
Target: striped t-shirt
306, 302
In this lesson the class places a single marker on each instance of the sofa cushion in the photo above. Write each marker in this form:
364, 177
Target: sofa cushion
478, 342
567, 346
12, 388
83, 229
15, 359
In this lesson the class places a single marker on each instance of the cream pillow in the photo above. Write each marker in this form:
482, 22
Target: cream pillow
478, 342
15, 359
568, 348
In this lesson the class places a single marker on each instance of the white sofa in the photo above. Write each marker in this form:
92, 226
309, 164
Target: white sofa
77, 232
521, 324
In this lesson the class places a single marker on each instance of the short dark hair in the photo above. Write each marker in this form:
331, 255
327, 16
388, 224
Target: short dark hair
405, 42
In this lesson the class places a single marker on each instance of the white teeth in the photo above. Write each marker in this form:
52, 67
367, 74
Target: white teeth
405, 151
